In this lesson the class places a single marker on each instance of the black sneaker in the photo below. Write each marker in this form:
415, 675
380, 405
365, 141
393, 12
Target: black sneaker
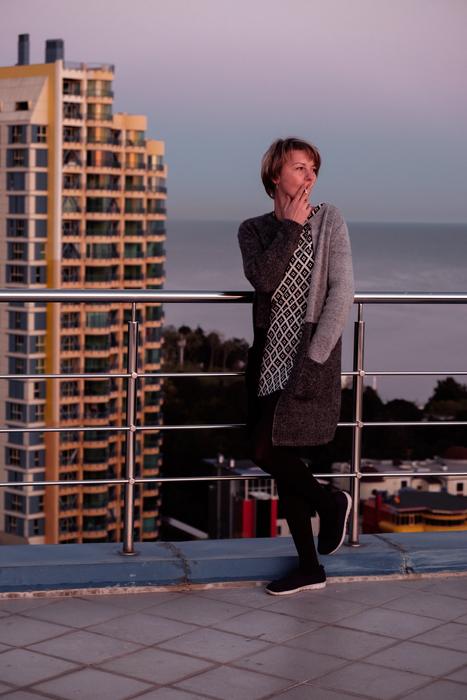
297, 581
332, 528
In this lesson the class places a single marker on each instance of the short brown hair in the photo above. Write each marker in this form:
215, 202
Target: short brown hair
276, 155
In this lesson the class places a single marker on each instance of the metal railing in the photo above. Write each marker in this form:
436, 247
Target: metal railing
132, 376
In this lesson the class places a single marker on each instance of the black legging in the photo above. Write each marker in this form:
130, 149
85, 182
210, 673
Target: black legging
299, 492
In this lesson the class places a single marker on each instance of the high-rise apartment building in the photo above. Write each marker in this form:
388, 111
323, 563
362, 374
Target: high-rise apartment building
82, 205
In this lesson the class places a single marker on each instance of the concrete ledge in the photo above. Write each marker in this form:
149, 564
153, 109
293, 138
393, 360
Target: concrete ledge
71, 566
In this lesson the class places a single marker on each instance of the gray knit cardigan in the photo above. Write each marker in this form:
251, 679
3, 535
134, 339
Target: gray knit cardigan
308, 409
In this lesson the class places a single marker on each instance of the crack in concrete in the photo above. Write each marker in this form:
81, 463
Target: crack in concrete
183, 560
406, 563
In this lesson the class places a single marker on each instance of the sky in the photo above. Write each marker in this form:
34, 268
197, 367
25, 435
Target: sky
378, 86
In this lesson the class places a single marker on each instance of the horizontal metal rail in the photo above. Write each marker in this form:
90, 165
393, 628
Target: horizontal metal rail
236, 477
101, 297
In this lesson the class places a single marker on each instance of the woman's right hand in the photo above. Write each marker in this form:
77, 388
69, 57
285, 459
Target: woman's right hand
293, 208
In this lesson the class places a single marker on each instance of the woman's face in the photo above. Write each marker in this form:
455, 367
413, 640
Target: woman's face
297, 172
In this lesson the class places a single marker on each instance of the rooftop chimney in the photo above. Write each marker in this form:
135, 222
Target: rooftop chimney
54, 50
23, 50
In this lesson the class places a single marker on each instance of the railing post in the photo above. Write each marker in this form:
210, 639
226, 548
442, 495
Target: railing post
358, 366
131, 395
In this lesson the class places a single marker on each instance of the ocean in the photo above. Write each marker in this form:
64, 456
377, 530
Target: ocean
388, 257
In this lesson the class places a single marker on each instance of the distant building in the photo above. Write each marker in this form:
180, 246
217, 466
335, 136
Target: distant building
82, 205
423, 480
414, 511
237, 507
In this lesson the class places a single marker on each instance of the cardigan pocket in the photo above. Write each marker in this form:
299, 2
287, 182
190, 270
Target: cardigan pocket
318, 380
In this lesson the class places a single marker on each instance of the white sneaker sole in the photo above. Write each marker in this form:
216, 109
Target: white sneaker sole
344, 529
311, 587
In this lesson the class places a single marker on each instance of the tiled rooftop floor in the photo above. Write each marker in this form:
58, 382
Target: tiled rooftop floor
376, 639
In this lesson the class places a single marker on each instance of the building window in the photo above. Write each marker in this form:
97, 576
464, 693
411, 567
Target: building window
36, 527
16, 274
460, 487
17, 158
39, 251
70, 319
70, 343
42, 158
15, 411
15, 389
39, 133
38, 274
39, 321
71, 274
18, 320
70, 228
17, 204
16, 365
13, 457
17, 228
22, 106
41, 181
17, 343
41, 228
37, 413
18, 251
71, 205
403, 484
41, 205
17, 133
37, 343
38, 393
69, 389
16, 182
37, 366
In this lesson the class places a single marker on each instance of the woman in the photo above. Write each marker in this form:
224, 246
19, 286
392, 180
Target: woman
298, 260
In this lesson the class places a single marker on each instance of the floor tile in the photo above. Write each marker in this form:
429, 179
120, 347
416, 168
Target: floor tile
4, 647
198, 610
16, 605
90, 683
229, 683
430, 604
371, 681
85, 647
460, 676
348, 644
419, 658
389, 622
451, 636
263, 624
214, 645
156, 666
169, 694
308, 691
367, 592
455, 587
316, 607
22, 695
75, 612
22, 631
4, 688
439, 689
22, 667
250, 597
293, 664
134, 601
141, 628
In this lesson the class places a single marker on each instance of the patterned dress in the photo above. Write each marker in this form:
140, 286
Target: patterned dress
288, 307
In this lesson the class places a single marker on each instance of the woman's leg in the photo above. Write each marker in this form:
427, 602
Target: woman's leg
299, 492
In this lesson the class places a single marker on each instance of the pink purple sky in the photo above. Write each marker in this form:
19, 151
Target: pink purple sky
379, 86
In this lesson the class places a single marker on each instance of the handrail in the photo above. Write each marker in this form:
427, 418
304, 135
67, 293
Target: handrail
132, 376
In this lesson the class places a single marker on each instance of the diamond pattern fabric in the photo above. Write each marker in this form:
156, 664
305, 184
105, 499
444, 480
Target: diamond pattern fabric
288, 307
